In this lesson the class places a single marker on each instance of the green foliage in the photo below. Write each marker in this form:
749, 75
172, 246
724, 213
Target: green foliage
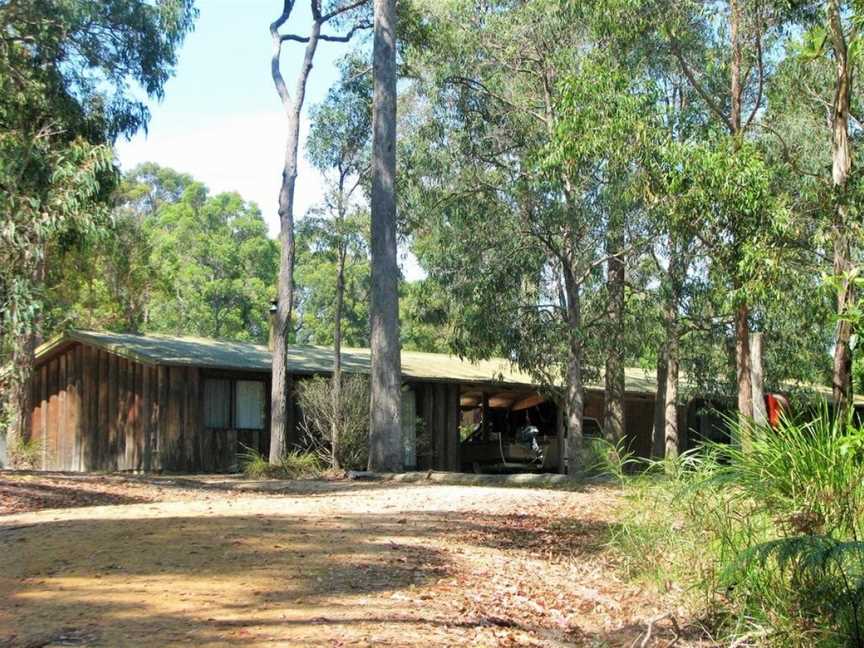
318, 241
294, 465
423, 316
320, 417
766, 543
175, 260
214, 267
342, 123
72, 76
607, 460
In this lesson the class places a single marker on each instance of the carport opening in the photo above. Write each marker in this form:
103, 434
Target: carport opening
512, 431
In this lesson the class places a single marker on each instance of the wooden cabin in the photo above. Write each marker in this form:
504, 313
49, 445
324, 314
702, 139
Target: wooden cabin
111, 401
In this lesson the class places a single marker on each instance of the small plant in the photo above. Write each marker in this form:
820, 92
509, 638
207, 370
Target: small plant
301, 465
253, 464
295, 465
26, 455
605, 459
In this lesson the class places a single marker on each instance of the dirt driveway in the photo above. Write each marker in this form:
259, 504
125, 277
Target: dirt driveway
333, 564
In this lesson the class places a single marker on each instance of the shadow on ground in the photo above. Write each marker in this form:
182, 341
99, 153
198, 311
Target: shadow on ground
255, 578
17, 495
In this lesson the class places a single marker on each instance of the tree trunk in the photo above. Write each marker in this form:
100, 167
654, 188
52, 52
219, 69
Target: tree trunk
337, 358
575, 397
385, 431
670, 401
659, 444
760, 414
841, 168
742, 330
20, 402
744, 372
677, 272
613, 414
281, 395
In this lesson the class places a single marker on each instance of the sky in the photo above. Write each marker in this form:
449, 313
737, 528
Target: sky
221, 120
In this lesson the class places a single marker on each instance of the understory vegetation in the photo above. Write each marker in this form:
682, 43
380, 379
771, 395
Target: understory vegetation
349, 419
764, 546
25, 454
320, 417
294, 465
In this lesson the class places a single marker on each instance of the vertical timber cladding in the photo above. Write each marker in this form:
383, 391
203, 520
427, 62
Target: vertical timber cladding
94, 410
639, 424
179, 418
441, 415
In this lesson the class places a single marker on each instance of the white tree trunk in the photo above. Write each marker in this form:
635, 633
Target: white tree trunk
760, 413
281, 399
841, 169
575, 389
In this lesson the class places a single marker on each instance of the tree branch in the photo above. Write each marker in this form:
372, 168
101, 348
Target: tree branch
707, 98
275, 71
343, 9
761, 66
330, 38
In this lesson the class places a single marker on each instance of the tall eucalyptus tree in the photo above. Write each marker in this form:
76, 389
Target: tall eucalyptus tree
385, 430
350, 15
66, 72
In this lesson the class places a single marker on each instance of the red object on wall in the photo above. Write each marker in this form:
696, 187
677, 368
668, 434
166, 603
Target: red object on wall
775, 404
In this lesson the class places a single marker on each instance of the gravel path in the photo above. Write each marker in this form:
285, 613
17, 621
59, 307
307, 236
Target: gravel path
334, 564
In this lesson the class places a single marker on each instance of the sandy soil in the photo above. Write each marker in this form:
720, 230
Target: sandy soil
332, 564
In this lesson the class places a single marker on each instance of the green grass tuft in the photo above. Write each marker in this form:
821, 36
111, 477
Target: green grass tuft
295, 465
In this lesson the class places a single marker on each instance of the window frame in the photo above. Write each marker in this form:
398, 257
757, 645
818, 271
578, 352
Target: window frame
233, 378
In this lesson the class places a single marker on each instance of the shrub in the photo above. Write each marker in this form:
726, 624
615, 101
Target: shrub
319, 416
768, 541
295, 465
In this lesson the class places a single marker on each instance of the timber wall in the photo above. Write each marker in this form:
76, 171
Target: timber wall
95, 410
439, 447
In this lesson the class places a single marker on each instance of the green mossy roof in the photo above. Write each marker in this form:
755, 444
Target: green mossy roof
304, 359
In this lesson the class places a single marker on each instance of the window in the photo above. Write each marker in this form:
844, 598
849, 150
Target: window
217, 403
250, 405
591, 428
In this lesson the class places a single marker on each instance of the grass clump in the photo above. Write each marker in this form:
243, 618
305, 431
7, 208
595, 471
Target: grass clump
765, 543
26, 454
294, 465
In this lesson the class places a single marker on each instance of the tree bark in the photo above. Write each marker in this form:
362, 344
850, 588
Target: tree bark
575, 397
659, 444
20, 400
337, 357
613, 414
744, 372
670, 400
760, 414
742, 330
281, 398
841, 169
385, 432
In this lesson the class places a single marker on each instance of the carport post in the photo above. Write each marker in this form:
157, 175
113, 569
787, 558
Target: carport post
485, 413
559, 426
